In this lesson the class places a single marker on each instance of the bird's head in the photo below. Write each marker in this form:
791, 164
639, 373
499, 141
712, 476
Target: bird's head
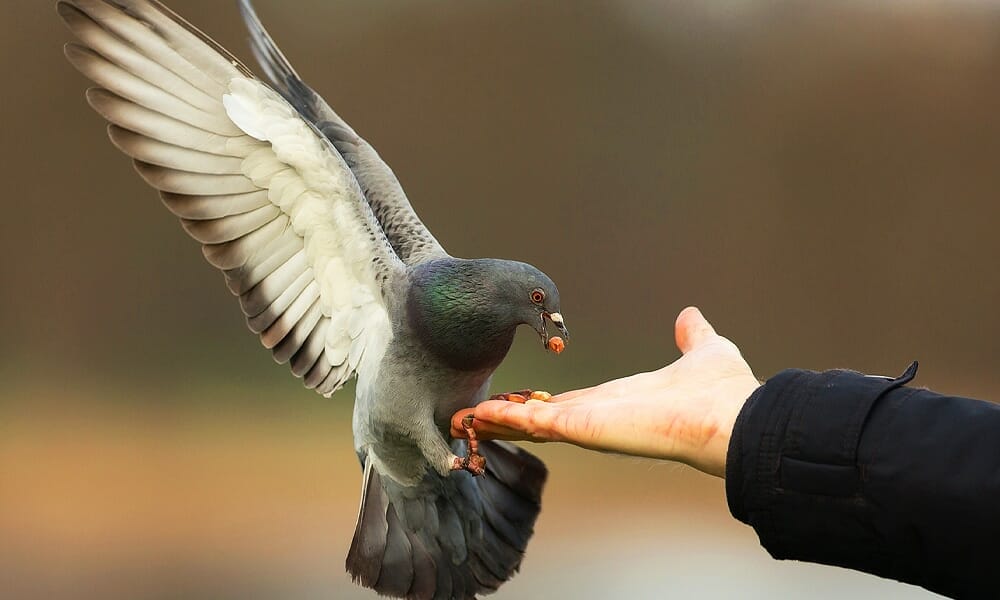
533, 299
467, 310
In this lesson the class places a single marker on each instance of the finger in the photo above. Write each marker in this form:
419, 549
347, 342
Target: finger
533, 421
570, 395
491, 431
457, 430
692, 330
485, 430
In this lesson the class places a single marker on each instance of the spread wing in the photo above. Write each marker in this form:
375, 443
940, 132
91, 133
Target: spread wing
272, 202
408, 235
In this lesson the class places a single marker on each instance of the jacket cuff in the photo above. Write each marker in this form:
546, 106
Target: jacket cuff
797, 435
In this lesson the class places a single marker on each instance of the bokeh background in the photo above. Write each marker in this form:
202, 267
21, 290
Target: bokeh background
821, 178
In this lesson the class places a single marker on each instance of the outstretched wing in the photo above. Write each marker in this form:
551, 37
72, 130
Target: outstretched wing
408, 235
272, 202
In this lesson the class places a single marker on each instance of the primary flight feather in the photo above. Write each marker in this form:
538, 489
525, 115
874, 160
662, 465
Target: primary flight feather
339, 277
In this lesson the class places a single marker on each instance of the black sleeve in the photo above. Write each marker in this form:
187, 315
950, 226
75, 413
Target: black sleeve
863, 472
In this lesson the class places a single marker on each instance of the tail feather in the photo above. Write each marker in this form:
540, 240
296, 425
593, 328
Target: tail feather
500, 555
396, 575
367, 550
424, 572
522, 477
488, 579
506, 516
448, 537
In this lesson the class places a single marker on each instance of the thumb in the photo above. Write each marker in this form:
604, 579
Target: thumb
457, 430
692, 330
496, 420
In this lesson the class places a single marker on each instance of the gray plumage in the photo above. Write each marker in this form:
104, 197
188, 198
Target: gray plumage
338, 276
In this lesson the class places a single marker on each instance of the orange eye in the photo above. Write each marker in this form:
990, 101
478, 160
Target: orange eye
537, 296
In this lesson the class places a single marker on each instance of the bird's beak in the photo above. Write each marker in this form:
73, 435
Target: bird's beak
557, 320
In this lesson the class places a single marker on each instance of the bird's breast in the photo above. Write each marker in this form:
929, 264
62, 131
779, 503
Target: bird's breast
466, 390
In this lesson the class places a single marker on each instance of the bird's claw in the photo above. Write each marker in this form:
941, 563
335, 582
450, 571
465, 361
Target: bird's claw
475, 462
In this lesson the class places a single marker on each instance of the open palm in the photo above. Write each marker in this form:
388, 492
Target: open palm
684, 411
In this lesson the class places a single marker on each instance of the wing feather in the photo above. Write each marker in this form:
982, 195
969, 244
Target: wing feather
170, 180
305, 358
273, 203
265, 318
226, 229
133, 88
158, 126
214, 206
245, 278
409, 237
230, 256
155, 152
322, 367
149, 39
292, 342
120, 53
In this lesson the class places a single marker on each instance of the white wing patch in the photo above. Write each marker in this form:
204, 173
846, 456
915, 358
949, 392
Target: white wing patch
274, 205
305, 181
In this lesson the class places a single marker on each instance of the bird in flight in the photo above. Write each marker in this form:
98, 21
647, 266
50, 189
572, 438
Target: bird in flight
339, 277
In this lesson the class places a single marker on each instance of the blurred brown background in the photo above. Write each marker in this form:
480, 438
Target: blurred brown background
822, 179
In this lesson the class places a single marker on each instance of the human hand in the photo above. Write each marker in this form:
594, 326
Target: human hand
684, 411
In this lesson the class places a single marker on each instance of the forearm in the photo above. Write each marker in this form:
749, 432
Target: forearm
861, 472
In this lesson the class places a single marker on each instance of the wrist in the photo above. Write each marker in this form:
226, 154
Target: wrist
707, 451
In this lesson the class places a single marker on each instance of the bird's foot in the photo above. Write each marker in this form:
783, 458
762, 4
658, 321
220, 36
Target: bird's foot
522, 396
475, 462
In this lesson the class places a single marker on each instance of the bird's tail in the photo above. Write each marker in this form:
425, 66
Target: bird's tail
449, 537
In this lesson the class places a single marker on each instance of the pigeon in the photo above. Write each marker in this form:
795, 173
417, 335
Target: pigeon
339, 278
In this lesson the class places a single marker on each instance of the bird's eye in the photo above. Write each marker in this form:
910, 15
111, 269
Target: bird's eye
537, 296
